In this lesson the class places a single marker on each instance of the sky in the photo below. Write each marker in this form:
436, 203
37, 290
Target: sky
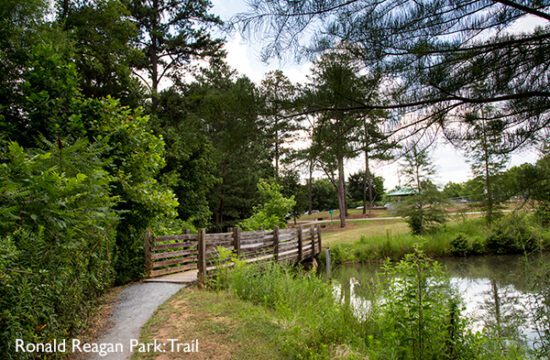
244, 55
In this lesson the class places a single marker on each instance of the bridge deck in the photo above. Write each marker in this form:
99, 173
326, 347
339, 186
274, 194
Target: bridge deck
184, 277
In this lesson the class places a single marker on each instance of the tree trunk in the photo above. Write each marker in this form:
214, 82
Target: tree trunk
154, 57
341, 192
310, 188
417, 170
64, 12
367, 186
276, 150
488, 188
366, 177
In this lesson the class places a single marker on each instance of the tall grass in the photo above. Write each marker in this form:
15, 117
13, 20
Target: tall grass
413, 314
317, 323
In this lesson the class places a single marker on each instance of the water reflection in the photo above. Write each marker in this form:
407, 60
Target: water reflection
497, 292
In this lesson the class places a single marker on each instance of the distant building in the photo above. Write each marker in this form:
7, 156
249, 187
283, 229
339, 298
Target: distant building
396, 195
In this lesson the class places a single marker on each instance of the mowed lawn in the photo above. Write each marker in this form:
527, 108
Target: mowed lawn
353, 213
332, 234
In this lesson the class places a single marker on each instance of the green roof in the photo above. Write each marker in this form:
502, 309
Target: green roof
401, 192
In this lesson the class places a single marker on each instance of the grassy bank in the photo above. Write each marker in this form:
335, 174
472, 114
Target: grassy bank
273, 312
512, 234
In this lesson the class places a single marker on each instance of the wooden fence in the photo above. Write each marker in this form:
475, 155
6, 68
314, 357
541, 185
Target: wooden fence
175, 253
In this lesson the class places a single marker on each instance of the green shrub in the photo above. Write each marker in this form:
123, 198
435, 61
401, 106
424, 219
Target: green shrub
460, 246
513, 234
419, 316
478, 246
423, 211
543, 213
341, 254
58, 231
412, 313
273, 210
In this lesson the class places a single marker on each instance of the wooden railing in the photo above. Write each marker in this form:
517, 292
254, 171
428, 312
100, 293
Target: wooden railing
170, 254
175, 253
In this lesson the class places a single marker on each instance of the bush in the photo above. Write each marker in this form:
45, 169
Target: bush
273, 210
513, 234
543, 213
419, 316
477, 247
58, 236
423, 211
460, 246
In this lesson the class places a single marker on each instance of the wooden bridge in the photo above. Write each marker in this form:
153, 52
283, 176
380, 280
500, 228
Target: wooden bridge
189, 257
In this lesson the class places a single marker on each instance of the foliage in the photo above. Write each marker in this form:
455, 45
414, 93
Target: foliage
335, 84
137, 157
483, 140
278, 93
424, 210
58, 223
412, 314
171, 35
104, 45
320, 325
191, 162
42, 100
323, 195
228, 108
463, 238
429, 51
355, 187
459, 246
273, 210
420, 315
453, 190
290, 186
514, 234
539, 304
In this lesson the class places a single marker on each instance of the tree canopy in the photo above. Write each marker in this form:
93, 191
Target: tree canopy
432, 53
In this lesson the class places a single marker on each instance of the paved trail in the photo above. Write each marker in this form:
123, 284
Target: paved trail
136, 305
382, 218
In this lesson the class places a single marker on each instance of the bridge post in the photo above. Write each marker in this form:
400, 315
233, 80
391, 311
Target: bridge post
147, 246
319, 238
300, 243
312, 236
201, 257
276, 243
237, 240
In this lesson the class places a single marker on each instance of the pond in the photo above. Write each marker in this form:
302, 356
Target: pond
497, 292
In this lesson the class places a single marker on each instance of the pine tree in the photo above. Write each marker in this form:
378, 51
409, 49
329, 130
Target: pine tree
483, 140
335, 85
171, 34
278, 94
424, 209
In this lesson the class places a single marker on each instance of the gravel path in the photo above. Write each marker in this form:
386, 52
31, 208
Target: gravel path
136, 305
